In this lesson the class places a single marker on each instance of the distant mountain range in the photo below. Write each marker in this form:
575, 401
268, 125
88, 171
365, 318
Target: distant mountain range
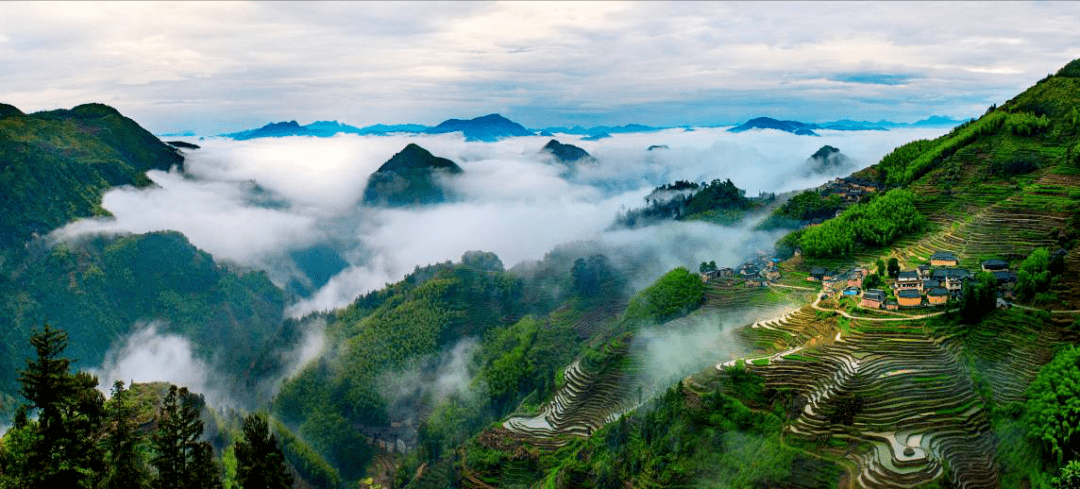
493, 127
807, 128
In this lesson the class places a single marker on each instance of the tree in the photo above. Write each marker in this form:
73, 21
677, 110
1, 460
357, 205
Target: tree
182, 461
1033, 275
1052, 411
61, 450
979, 297
894, 267
1070, 476
880, 267
260, 463
125, 467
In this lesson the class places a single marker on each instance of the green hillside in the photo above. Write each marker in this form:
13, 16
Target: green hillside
834, 395
56, 165
98, 289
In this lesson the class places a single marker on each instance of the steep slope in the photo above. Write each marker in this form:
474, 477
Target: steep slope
410, 177
56, 165
99, 289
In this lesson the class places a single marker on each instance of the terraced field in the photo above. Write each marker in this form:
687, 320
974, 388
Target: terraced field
1009, 225
596, 394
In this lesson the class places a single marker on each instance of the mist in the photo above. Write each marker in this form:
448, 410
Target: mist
252, 203
671, 351
150, 354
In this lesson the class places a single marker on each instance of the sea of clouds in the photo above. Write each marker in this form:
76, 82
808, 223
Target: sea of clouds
252, 203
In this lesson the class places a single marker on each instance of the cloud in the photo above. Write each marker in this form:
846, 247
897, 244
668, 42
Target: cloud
255, 202
151, 354
214, 67
148, 355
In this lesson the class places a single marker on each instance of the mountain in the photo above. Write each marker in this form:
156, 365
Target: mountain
488, 128
807, 128
595, 130
566, 153
794, 127
936, 121
827, 159
276, 130
410, 177
56, 165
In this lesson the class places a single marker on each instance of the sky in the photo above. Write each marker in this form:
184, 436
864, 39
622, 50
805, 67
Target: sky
211, 67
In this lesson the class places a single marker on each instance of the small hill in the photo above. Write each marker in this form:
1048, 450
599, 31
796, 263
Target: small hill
566, 153
488, 128
409, 178
828, 159
56, 165
794, 127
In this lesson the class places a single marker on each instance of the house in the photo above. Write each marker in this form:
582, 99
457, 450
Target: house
873, 299
995, 265
892, 305
852, 291
924, 271
725, 272
944, 259
930, 284
908, 279
952, 278
1005, 278
771, 273
817, 273
938, 296
909, 298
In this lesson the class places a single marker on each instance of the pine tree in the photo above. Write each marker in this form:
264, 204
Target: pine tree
60, 448
260, 463
126, 469
181, 460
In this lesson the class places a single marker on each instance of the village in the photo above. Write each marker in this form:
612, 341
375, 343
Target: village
931, 284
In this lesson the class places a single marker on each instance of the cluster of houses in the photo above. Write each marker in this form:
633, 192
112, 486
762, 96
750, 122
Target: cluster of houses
755, 273
934, 284
850, 189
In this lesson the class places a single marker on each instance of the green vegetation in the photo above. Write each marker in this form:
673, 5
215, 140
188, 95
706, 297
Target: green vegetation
1053, 406
55, 166
801, 208
717, 201
409, 178
142, 437
260, 463
979, 297
92, 289
876, 223
676, 293
1033, 276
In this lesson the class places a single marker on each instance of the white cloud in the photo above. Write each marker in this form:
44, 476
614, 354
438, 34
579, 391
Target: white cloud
512, 201
219, 66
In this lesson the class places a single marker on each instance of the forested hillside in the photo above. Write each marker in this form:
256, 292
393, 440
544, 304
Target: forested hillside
56, 165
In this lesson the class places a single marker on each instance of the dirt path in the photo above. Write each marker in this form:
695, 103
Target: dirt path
1051, 311
863, 318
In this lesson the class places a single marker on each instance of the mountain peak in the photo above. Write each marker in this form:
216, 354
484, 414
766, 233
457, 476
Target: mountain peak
567, 153
408, 178
488, 128
7, 110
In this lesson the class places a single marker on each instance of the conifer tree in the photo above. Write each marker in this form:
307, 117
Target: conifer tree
181, 460
260, 463
126, 469
60, 447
